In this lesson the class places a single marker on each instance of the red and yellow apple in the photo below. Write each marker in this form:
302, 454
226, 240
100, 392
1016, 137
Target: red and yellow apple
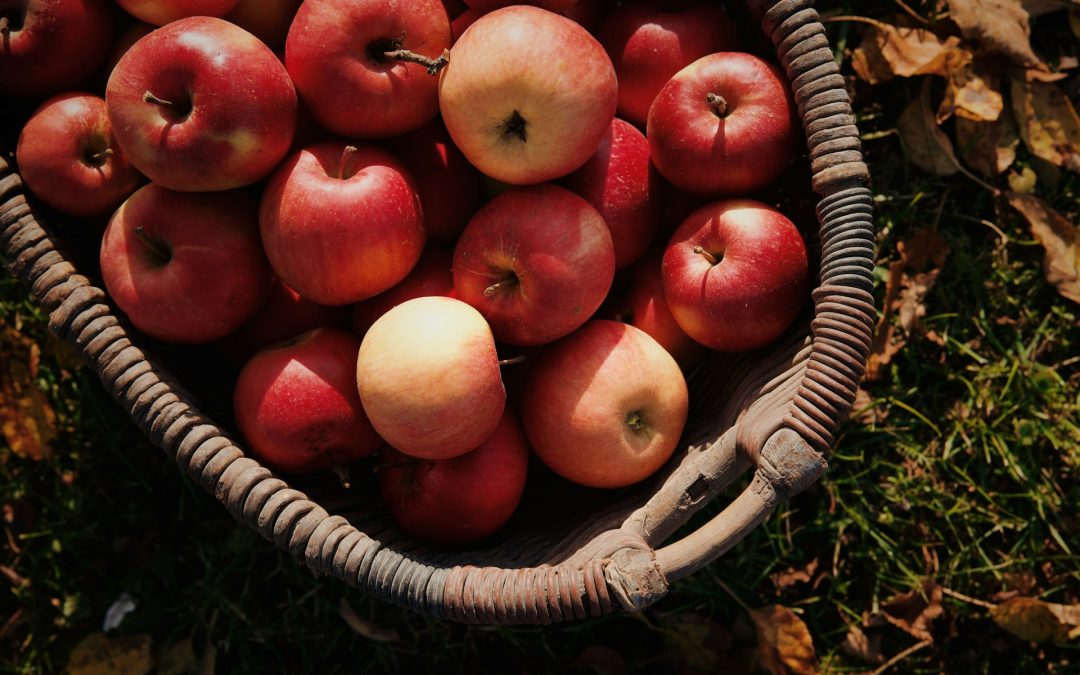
431, 276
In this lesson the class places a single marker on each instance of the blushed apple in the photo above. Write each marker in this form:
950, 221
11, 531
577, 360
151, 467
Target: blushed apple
430, 277
282, 317
268, 20
161, 12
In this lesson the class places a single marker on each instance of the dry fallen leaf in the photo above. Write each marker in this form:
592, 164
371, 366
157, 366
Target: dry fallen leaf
1060, 238
971, 89
912, 298
1023, 182
27, 419
98, 654
1037, 621
888, 51
784, 643
1047, 121
885, 343
858, 645
926, 248
925, 144
365, 628
792, 576
915, 611
998, 25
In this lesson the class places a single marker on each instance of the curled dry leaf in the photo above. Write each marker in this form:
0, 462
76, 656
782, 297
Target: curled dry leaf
27, 419
1037, 621
971, 89
98, 654
888, 51
915, 611
912, 299
859, 645
987, 147
1048, 122
926, 249
1023, 181
998, 25
791, 576
1059, 237
925, 144
785, 646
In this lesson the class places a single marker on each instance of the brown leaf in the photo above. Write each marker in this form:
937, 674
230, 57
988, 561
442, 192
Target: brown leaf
925, 144
885, 344
865, 410
1048, 122
888, 51
365, 628
971, 90
926, 248
998, 25
27, 419
792, 576
784, 643
1060, 238
859, 646
98, 654
1037, 621
912, 297
987, 147
915, 611
700, 644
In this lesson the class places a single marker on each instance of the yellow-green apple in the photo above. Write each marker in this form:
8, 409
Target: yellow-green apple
723, 126
736, 274
429, 379
161, 12
297, 407
449, 187
431, 276
651, 40
644, 306
536, 261
621, 183
346, 58
268, 20
283, 316
68, 158
186, 267
605, 406
527, 95
49, 46
341, 223
202, 105
459, 500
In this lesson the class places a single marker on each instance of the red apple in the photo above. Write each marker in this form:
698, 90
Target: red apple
463, 21
69, 159
429, 378
454, 8
537, 262
185, 267
459, 500
283, 316
449, 187
338, 55
430, 277
605, 406
161, 12
268, 20
130, 35
651, 40
527, 95
48, 46
297, 407
620, 181
736, 274
724, 125
202, 105
341, 223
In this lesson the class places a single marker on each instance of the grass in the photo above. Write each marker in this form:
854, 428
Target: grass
962, 467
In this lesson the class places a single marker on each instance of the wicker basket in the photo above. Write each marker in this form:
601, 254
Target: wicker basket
774, 411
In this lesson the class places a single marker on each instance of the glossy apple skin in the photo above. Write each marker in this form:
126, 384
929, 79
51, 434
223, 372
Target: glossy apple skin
297, 407
649, 42
216, 276
242, 106
449, 187
52, 45
462, 21
268, 20
161, 12
551, 255
757, 288
429, 378
460, 500
430, 277
703, 153
340, 240
68, 158
621, 183
329, 55
527, 95
282, 317
585, 396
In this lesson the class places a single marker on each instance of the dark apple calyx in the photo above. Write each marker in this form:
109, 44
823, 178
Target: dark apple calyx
636, 421
714, 259
343, 166
157, 249
718, 104
513, 127
97, 158
507, 283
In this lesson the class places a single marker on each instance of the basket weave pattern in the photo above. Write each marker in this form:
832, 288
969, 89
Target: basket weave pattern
775, 412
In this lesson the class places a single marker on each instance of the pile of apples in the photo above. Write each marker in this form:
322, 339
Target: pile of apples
431, 240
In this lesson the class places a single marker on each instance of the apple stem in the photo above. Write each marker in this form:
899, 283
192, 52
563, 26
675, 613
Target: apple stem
491, 290
511, 361
342, 473
150, 98
717, 103
153, 246
713, 260
433, 65
100, 156
346, 155
5, 26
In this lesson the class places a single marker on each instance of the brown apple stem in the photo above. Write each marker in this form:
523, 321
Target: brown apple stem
713, 260
342, 472
717, 103
150, 98
5, 26
433, 65
153, 246
100, 156
346, 155
512, 360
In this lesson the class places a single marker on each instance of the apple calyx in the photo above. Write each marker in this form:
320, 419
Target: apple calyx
514, 127
162, 253
98, 159
636, 422
433, 65
713, 259
343, 165
506, 284
718, 104
512, 360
